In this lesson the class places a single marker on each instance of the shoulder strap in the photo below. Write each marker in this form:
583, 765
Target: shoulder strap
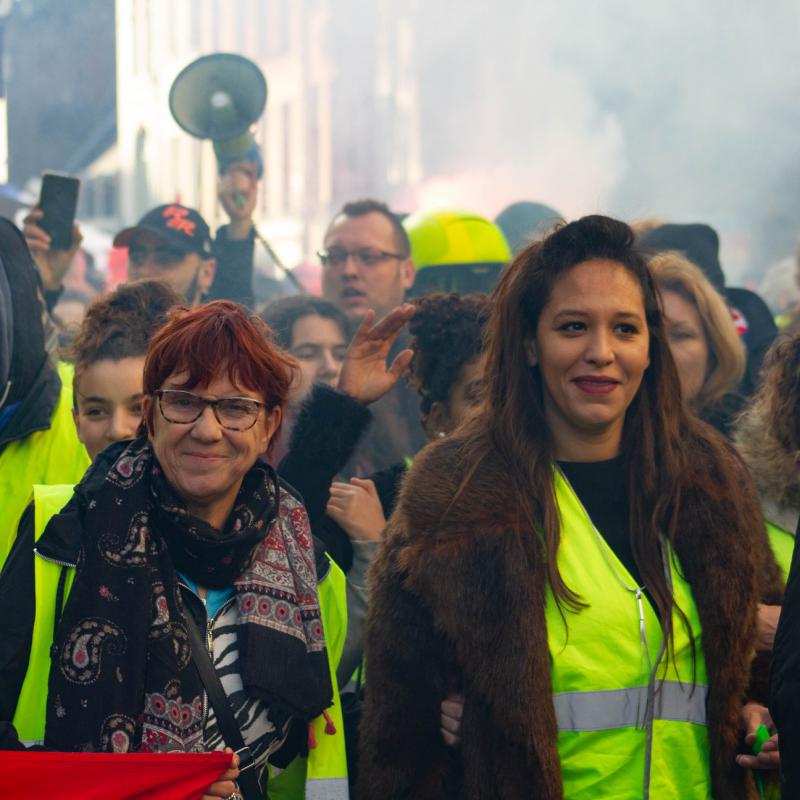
248, 780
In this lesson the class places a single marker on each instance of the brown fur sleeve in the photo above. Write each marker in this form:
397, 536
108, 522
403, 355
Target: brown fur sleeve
401, 751
457, 591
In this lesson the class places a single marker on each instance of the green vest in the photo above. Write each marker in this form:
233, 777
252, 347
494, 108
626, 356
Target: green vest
29, 717
782, 543
323, 775
619, 734
52, 456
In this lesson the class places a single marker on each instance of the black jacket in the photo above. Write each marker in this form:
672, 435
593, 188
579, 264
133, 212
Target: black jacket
325, 435
785, 680
234, 277
33, 384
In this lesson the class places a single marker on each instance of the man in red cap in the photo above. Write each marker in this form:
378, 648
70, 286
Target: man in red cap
171, 243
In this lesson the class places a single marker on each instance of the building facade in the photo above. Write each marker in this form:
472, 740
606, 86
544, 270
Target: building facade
341, 120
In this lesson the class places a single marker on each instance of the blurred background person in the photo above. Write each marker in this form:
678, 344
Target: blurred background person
767, 435
455, 250
366, 259
38, 442
708, 352
780, 290
699, 243
316, 333
769, 439
171, 243
108, 358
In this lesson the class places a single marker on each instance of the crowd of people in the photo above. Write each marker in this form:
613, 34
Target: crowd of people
523, 527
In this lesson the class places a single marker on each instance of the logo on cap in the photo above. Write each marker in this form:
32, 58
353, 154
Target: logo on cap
176, 217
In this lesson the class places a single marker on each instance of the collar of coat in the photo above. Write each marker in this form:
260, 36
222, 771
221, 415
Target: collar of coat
462, 584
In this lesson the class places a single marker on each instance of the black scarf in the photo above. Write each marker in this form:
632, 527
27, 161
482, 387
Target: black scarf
122, 678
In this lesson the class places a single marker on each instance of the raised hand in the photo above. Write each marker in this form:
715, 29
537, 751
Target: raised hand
53, 264
237, 190
365, 376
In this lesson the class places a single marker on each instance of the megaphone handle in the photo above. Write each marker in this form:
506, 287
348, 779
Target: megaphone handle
278, 263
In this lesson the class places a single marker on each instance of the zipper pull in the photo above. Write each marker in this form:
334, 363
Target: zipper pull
210, 635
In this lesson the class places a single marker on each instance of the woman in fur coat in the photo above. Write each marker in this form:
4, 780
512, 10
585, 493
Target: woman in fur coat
583, 563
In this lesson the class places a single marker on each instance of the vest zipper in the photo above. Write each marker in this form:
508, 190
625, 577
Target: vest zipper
53, 560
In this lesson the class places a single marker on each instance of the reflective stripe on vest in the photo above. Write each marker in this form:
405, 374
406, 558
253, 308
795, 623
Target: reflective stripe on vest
621, 708
323, 775
31, 711
52, 456
610, 743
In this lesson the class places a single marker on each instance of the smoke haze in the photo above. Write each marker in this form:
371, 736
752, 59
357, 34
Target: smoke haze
679, 110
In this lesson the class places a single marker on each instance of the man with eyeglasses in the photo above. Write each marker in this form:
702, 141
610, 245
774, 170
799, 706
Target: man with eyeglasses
366, 259
367, 262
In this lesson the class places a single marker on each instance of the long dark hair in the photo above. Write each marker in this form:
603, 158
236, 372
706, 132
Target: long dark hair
659, 435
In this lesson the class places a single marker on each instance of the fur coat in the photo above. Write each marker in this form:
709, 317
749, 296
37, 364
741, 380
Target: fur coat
458, 604
774, 468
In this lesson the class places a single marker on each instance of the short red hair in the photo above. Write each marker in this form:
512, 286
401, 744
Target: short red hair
214, 337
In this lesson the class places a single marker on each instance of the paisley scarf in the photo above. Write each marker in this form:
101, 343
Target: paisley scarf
122, 677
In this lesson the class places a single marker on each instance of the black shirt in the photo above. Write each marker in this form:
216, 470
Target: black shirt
602, 488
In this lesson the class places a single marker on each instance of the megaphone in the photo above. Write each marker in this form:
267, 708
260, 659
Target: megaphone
219, 97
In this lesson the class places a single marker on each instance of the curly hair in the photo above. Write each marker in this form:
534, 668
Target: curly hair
121, 324
768, 431
447, 333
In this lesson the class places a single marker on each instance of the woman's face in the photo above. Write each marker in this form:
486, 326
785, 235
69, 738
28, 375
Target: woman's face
203, 461
108, 398
592, 348
465, 399
319, 346
687, 342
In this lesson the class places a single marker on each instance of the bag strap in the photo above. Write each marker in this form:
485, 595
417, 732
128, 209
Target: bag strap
247, 780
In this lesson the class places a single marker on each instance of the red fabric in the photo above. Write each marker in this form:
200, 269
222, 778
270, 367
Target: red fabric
109, 776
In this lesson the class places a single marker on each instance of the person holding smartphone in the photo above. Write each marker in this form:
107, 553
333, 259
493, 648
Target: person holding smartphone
171, 243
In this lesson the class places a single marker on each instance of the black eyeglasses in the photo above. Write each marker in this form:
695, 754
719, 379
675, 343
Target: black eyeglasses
232, 413
337, 257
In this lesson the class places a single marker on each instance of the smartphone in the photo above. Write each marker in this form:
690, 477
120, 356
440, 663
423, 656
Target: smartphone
59, 200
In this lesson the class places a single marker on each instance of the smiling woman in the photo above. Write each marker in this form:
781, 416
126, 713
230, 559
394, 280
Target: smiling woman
183, 527
566, 561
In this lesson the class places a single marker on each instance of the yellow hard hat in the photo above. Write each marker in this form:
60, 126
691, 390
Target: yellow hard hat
454, 236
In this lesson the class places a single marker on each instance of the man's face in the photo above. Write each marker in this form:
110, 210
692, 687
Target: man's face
378, 280
152, 256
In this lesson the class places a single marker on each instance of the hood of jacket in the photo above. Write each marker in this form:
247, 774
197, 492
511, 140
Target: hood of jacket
21, 331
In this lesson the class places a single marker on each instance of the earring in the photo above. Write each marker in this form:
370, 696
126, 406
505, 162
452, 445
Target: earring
441, 434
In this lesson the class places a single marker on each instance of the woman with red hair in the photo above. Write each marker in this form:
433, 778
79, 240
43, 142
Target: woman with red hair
186, 529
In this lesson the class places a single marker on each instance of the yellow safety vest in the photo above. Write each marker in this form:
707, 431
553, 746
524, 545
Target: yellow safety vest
29, 718
621, 735
52, 456
782, 543
323, 775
